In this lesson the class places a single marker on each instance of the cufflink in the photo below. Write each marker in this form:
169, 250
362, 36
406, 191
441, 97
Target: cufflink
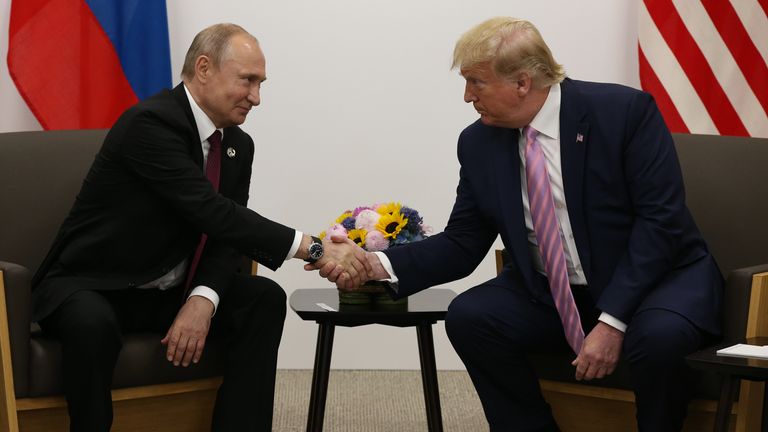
231, 152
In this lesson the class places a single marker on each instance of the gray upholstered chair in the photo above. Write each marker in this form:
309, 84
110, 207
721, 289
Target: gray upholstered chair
726, 184
40, 174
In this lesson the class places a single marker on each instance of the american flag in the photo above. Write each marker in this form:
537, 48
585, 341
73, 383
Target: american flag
706, 63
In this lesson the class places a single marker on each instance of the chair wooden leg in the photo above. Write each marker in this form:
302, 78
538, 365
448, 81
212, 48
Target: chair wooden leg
8, 418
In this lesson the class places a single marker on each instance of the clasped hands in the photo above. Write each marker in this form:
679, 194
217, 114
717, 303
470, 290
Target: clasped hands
347, 264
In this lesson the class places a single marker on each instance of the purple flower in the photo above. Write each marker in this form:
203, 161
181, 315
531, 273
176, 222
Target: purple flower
348, 223
414, 220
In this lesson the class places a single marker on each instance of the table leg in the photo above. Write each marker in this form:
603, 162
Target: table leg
429, 377
727, 393
320, 377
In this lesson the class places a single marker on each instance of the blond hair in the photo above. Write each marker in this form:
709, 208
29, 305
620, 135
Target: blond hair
213, 42
512, 46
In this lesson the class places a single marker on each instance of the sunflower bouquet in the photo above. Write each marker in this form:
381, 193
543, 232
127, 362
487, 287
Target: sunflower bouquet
376, 228
380, 226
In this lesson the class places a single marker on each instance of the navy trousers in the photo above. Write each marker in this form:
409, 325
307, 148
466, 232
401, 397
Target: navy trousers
494, 326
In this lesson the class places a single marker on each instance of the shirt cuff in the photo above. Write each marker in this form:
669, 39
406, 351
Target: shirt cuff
613, 322
204, 291
295, 246
388, 267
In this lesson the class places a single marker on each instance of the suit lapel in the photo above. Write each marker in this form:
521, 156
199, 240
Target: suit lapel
574, 138
230, 155
194, 138
506, 163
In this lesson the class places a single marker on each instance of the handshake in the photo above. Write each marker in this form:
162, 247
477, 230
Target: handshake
346, 264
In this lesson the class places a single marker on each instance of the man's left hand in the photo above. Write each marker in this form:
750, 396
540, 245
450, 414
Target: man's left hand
599, 353
186, 337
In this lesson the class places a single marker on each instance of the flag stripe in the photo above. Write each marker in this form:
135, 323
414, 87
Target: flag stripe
753, 16
671, 75
695, 66
724, 67
650, 82
138, 30
764, 5
82, 96
742, 48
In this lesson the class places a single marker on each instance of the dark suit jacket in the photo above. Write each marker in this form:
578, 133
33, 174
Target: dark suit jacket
637, 242
145, 203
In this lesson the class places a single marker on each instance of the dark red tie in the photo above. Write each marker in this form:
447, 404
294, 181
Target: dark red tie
212, 171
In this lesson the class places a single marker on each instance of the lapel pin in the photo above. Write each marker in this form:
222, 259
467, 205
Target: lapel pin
579, 138
231, 152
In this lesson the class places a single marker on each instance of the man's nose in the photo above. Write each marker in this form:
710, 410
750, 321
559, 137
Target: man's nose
254, 96
469, 96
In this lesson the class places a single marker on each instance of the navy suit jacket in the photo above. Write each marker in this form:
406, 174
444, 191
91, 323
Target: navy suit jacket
145, 202
636, 239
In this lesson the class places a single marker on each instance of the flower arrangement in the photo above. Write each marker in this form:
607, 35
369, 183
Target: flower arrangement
380, 226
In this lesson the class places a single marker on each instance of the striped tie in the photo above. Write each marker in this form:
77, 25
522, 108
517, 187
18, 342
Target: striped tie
548, 236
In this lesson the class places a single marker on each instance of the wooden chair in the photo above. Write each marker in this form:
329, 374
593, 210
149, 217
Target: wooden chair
40, 174
727, 190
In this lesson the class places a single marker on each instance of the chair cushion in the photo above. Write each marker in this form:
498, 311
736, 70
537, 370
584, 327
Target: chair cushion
141, 362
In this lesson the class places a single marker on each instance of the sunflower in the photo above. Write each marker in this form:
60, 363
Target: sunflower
358, 236
344, 215
389, 208
391, 224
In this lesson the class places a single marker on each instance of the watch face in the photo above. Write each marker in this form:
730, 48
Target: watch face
316, 251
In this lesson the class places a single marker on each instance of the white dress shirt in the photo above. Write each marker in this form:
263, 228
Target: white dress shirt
547, 123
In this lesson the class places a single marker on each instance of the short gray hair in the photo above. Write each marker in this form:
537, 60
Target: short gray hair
213, 42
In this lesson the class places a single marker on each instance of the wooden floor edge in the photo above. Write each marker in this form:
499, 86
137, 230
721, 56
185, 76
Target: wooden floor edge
130, 393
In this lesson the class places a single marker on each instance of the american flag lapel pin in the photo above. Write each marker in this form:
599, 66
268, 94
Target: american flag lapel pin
579, 137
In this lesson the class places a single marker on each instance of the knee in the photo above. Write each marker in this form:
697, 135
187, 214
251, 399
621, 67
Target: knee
266, 295
660, 342
464, 321
92, 328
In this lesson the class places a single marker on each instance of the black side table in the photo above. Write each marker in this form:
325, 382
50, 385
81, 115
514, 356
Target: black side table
733, 370
423, 310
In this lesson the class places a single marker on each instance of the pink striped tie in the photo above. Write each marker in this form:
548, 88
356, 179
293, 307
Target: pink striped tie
212, 171
548, 236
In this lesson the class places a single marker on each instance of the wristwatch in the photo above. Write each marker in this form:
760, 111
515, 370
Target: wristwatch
315, 250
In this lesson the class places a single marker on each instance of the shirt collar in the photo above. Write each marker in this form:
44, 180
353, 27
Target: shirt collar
547, 120
205, 126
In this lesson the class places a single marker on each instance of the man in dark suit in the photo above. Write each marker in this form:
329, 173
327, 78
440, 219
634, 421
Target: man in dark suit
605, 257
156, 235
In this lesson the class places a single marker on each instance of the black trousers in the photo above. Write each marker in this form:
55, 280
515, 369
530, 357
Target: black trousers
249, 320
494, 326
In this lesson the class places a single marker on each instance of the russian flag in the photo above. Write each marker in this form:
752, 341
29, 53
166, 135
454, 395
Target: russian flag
80, 63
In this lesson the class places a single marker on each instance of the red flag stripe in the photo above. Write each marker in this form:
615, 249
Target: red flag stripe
764, 5
89, 92
741, 47
695, 66
651, 83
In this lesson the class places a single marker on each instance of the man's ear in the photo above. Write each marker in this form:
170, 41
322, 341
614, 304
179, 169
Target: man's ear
524, 83
203, 68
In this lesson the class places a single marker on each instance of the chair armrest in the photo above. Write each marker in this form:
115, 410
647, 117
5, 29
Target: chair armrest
738, 291
18, 301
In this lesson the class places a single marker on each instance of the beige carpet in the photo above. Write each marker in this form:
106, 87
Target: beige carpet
375, 400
